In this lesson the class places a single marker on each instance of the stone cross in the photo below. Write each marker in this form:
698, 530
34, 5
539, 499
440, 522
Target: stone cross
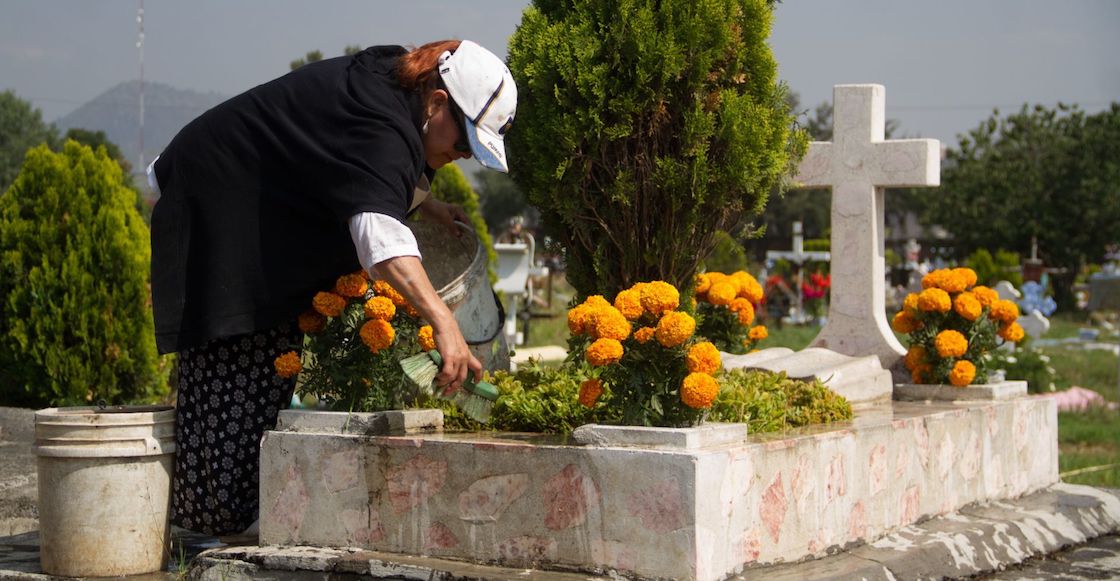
858, 164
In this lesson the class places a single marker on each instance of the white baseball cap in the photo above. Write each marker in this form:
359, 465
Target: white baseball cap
482, 86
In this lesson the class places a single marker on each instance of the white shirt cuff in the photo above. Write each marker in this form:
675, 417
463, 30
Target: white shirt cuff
378, 237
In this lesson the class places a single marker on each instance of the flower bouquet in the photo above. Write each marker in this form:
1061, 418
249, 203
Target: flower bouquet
814, 293
725, 305
354, 337
952, 325
641, 356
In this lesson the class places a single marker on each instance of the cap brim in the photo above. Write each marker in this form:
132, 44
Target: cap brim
481, 142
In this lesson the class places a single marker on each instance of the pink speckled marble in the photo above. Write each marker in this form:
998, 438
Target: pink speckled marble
773, 509
658, 507
486, 499
439, 536
415, 481
567, 496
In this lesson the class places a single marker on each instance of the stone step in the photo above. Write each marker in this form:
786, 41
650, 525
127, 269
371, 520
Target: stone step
862, 380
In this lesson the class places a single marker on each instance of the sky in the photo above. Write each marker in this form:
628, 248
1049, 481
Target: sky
945, 63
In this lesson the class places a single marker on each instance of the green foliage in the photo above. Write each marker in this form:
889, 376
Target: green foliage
727, 254
644, 124
1053, 174
1029, 364
769, 402
311, 57
76, 319
992, 269
95, 139
21, 128
500, 199
450, 185
543, 399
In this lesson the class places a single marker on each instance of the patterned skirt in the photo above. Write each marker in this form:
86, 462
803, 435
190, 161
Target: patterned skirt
229, 394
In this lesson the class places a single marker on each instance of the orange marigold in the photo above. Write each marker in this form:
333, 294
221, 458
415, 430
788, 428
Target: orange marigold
1004, 311
287, 365
578, 318
920, 374
903, 322
950, 343
985, 295
915, 357
377, 334
703, 357
609, 323
596, 302
629, 303
910, 303
380, 308
758, 333
703, 283
962, 374
934, 300
589, 392
739, 303
351, 285
954, 281
386, 290
1012, 332
426, 337
328, 304
659, 296
311, 322
967, 306
675, 328
933, 279
699, 390
722, 292
604, 352
746, 315
644, 334
967, 275
748, 286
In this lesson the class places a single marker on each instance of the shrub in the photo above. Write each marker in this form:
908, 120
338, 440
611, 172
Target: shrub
76, 319
770, 402
644, 128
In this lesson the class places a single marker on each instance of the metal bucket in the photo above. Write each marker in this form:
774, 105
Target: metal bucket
457, 268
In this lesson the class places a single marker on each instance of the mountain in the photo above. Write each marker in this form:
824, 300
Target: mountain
116, 112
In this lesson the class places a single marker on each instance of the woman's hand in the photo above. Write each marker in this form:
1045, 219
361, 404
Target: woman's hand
443, 213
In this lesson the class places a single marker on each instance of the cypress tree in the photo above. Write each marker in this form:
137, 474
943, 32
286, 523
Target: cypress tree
646, 126
76, 318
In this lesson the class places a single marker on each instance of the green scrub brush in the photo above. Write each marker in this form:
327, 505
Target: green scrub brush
475, 398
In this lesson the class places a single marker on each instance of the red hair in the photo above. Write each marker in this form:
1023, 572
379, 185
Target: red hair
416, 70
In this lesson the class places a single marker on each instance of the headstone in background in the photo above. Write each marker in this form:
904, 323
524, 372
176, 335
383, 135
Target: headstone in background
1007, 291
858, 165
1034, 324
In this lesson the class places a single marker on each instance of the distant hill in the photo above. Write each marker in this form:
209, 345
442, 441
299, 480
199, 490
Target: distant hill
116, 112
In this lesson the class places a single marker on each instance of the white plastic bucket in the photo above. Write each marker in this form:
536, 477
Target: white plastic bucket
457, 269
104, 489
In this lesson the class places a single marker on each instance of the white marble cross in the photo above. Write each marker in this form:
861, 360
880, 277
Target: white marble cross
858, 164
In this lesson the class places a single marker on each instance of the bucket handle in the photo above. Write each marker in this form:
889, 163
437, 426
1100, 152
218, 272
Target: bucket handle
498, 328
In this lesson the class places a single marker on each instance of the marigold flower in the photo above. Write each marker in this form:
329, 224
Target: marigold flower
910, 303
739, 303
380, 308
954, 281
659, 297
699, 390
674, 328
1004, 311
383, 288
578, 318
703, 357
933, 279
288, 365
758, 333
311, 322
950, 343
351, 286
629, 303
934, 300
703, 283
426, 337
748, 286
608, 323
722, 292
915, 357
1012, 332
746, 316
377, 334
604, 352
966, 305
596, 302
328, 304
644, 334
903, 322
967, 275
589, 392
962, 374
920, 374
985, 295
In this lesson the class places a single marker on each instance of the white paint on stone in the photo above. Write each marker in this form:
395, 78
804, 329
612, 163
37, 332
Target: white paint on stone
858, 164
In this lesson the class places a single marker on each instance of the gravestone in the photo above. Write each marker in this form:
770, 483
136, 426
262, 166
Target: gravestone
798, 256
1007, 291
858, 165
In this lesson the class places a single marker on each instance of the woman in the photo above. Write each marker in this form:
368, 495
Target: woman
268, 198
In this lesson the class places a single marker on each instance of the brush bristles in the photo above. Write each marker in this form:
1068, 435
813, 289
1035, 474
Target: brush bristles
476, 407
420, 370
